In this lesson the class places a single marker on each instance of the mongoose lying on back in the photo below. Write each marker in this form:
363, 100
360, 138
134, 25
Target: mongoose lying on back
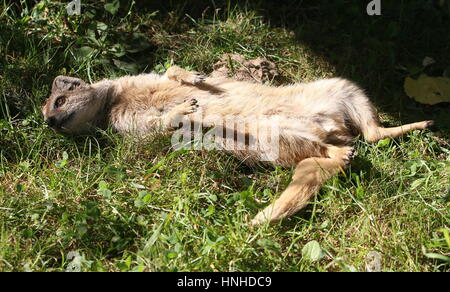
315, 122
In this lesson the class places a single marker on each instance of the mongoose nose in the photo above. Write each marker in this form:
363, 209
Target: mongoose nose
51, 121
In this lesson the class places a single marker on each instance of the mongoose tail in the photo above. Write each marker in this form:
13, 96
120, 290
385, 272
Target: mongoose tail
363, 115
375, 133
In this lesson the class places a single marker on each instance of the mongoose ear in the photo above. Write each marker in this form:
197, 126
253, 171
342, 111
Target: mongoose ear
64, 83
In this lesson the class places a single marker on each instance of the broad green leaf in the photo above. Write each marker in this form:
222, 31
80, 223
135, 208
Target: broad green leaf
269, 244
417, 183
103, 190
128, 67
118, 50
112, 7
172, 255
312, 251
138, 43
101, 26
84, 52
383, 143
211, 210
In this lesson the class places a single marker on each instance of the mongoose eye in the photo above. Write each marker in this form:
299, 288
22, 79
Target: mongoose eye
60, 101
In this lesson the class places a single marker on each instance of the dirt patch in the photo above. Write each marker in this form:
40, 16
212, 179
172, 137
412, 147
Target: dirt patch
258, 70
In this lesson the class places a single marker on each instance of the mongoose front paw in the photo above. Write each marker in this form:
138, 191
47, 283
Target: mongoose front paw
190, 106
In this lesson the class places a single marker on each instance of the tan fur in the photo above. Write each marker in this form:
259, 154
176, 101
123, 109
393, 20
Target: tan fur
317, 121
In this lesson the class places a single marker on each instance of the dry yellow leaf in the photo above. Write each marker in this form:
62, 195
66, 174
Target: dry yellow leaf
428, 90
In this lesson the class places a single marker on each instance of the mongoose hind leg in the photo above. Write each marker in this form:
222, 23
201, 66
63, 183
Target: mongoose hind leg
308, 177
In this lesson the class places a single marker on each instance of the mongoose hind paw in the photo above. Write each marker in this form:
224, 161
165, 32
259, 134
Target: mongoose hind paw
197, 78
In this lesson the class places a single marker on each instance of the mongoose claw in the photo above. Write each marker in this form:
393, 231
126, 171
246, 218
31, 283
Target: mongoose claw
191, 105
348, 157
198, 78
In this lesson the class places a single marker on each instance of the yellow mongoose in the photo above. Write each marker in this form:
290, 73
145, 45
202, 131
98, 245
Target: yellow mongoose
316, 122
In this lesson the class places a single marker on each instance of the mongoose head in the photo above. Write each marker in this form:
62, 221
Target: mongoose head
73, 106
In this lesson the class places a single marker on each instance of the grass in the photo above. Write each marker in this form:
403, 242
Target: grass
109, 203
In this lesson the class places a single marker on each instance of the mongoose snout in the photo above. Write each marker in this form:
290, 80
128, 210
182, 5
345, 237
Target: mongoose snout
57, 123
51, 121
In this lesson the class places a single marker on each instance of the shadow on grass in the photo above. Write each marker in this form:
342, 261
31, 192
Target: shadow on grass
25, 70
377, 52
